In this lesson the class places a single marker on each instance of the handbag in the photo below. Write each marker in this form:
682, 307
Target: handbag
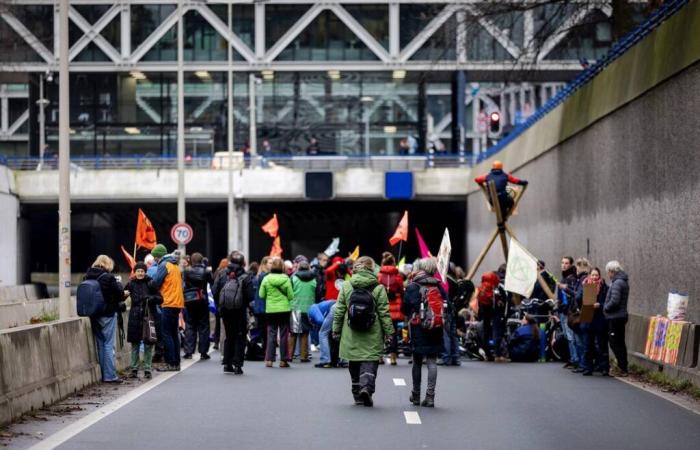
295, 325
150, 336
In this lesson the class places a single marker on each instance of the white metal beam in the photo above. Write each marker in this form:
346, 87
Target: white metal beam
394, 30
555, 38
360, 32
12, 129
125, 34
294, 31
27, 36
157, 34
225, 32
427, 32
92, 33
259, 31
498, 34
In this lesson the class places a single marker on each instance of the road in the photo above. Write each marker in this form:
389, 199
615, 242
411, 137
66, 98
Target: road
479, 406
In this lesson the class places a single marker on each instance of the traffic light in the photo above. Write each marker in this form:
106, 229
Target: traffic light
495, 122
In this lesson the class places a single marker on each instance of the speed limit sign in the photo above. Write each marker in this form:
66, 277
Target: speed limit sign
181, 233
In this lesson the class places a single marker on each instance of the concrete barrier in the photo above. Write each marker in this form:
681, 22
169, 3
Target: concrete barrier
14, 294
20, 313
42, 364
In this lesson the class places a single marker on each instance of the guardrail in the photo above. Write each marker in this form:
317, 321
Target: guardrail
239, 162
618, 49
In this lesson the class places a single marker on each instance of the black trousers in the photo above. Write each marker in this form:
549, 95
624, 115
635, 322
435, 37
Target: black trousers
616, 334
197, 327
236, 327
363, 375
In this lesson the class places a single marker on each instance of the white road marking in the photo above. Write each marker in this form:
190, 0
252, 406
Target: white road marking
71, 430
412, 417
399, 382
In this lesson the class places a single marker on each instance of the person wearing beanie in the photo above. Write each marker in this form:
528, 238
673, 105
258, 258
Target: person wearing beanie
501, 180
168, 281
144, 299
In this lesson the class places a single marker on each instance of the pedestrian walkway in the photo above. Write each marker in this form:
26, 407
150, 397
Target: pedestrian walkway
479, 406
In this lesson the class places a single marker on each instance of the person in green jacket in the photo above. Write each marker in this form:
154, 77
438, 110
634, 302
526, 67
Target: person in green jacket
363, 348
304, 286
276, 290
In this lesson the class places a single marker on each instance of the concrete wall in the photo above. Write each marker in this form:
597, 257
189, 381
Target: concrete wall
616, 176
42, 364
20, 313
9, 213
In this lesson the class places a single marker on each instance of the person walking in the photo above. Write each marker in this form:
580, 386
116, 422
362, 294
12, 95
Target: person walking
197, 278
234, 291
615, 310
393, 282
596, 339
216, 337
276, 290
363, 324
486, 297
304, 287
144, 300
104, 325
423, 294
168, 280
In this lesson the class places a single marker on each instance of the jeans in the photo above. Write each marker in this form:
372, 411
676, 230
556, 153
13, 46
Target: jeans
104, 329
313, 335
449, 335
580, 342
568, 332
395, 338
197, 328
616, 333
431, 363
236, 327
363, 375
147, 356
277, 324
171, 336
324, 336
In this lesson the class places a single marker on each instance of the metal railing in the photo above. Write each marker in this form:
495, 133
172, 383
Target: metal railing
618, 49
239, 162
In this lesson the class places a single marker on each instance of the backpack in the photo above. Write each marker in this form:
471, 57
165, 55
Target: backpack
361, 309
232, 293
89, 300
431, 309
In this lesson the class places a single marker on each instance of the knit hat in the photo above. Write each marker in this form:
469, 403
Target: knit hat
159, 251
140, 265
301, 258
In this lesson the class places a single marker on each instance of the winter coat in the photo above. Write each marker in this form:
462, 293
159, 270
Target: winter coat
245, 279
569, 278
112, 290
538, 292
258, 303
168, 280
304, 287
335, 276
500, 179
276, 289
362, 345
142, 296
598, 322
523, 347
423, 342
197, 277
616, 300
392, 281
319, 311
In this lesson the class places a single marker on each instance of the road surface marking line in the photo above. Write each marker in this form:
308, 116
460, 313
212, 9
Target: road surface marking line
75, 428
412, 417
663, 395
399, 382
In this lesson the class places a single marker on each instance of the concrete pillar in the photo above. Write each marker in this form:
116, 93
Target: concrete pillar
458, 100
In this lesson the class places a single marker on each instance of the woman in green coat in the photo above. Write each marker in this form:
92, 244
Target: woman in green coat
276, 290
363, 348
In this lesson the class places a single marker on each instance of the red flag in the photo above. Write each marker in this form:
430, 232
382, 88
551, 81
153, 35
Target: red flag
272, 227
145, 233
424, 252
401, 233
129, 258
276, 249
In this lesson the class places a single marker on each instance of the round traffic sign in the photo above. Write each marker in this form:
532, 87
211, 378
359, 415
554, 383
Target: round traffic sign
181, 233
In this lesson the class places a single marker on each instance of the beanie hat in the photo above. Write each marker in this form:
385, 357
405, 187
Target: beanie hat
140, 265
159, 251
301, 258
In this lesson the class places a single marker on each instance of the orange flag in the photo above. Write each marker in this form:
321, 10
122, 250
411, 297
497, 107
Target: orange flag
401, 233
145, 233
276, 249
129, 259
272, 227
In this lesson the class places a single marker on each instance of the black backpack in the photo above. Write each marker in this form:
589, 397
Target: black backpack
232, 293
89, 299
362, 311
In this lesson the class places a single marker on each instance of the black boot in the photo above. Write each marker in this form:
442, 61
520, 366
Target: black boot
415, 398
366, 397
429, 401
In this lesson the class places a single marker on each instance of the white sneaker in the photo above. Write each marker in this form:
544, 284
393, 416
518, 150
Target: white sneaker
314, 348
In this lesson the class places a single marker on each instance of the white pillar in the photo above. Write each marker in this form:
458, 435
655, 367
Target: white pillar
180, 120
230, 131
253, 116
64, 226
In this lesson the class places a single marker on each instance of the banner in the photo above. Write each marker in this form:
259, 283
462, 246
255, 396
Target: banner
443, 257
145, 233
521, 270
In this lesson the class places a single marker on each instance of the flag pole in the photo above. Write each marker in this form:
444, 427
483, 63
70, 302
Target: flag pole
135, 251
400, 246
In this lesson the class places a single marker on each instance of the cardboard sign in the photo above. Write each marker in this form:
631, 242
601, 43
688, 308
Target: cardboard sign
443, 257
590, 297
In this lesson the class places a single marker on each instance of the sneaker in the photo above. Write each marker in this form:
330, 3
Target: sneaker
284, 364
134, 374
314, 348
204, 357
147, 375
268, 363
187, 356
305, 360
228, 369
237, 370
366, 397
323, 365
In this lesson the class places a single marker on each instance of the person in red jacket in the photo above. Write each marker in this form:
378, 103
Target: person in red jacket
335, 275
501, 180
392, 280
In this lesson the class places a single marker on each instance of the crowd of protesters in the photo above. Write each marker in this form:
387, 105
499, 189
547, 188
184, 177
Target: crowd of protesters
351, 312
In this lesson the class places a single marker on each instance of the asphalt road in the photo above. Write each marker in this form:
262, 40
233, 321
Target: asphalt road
479, 406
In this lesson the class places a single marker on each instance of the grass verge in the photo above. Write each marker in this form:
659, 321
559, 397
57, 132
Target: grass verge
665, 382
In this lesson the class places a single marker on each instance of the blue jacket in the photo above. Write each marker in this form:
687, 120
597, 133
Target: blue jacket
523, 347
319, 311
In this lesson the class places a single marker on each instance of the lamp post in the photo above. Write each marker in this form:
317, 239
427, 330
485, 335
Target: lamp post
64, 225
